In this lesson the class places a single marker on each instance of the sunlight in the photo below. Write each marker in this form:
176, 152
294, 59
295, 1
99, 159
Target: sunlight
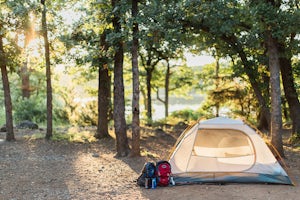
198, 60
34, 47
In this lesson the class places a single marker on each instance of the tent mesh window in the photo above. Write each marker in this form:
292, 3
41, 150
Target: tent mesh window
231, 148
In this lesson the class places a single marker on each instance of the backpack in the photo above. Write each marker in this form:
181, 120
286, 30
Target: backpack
163, 173
148, 171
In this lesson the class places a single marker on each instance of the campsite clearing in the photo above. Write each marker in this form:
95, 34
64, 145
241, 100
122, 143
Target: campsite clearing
37, 169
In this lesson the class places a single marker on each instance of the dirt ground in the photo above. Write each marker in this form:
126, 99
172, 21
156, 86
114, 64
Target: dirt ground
39, 169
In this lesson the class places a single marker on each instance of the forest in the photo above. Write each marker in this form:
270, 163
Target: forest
103, 63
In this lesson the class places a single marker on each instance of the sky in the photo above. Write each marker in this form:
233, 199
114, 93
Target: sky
198, 60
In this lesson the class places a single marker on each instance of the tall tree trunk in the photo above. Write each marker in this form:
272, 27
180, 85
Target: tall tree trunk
7, 98
119, 102
103, 102
167, 87
48, 71
217, 82
104, 92
149, 65
135, 149
276, 115
289, 88
149, 71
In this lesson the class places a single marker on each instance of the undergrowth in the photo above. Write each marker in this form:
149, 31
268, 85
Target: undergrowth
71, 135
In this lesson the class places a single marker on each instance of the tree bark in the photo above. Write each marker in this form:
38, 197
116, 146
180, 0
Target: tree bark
48, 71
135, 149
167, 87
149, 71
104, 93
289, 88
119, 102
7, 98
217, 82
103, 102
276, 115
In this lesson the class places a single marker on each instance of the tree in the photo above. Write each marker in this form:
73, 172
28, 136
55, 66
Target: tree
236, 26
7, 98
289, 88
119, 102
160, 40
277, 20
104, 84
286, 46
135, 149
175, 79
228, 30
276, 116
48, 70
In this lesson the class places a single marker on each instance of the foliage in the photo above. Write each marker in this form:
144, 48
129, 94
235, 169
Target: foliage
86, 114
2, 115
32, 109
186, 115
227, 29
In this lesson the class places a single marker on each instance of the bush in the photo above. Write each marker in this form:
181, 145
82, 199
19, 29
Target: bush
32, 109
86, 114
186, 115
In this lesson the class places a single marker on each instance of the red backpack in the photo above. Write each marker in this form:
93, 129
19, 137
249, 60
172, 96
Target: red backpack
163, 173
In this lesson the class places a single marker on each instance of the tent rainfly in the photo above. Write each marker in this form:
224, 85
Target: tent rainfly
224, 150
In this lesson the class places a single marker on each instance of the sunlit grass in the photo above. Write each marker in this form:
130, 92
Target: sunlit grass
34, 136
72, 134
149, 154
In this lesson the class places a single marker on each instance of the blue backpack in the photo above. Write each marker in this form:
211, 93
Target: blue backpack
148, 171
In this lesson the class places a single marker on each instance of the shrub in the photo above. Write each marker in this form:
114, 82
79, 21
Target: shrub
186, 115
32, 109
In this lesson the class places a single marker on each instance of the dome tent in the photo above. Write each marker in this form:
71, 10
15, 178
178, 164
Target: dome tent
221, 150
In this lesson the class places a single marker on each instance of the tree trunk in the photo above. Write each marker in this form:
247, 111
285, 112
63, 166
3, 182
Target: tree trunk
289, 88
7, 98
217, 82
135, 150
119, 102
149, 71
276, 115
103, 102
104, 92
48, 71
167, 86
